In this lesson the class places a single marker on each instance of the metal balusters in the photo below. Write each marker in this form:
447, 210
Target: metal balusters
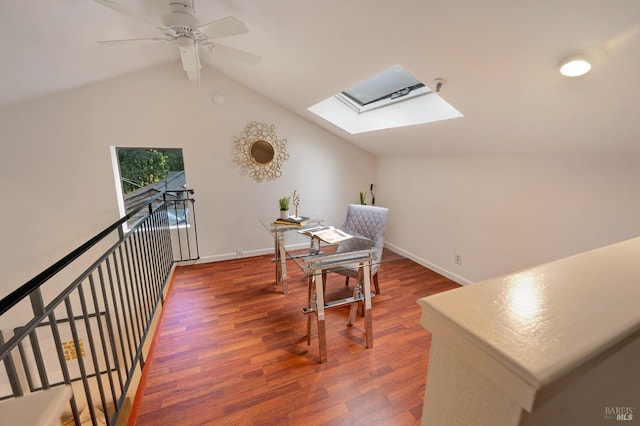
99, 323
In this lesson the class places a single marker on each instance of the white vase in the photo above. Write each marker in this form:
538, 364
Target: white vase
284, 214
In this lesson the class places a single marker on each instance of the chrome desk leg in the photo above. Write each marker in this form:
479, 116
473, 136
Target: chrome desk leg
311, 298
316, 305
276, 251
368, 320
281, 262
322, 335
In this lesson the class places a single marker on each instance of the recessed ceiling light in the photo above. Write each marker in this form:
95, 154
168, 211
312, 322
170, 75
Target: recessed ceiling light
576, 66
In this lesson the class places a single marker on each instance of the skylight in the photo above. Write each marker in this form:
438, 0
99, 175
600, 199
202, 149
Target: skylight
391, 98
389, 85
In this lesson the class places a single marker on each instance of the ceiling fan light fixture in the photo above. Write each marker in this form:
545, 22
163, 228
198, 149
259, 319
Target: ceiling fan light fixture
575, 66
186, 44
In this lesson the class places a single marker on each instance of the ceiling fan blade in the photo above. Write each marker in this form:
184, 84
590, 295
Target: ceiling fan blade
198, 62
224, 27
239, 55
130, 12
189, 58
136, 40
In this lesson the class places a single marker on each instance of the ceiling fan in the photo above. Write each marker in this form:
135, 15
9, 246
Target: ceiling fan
183, 28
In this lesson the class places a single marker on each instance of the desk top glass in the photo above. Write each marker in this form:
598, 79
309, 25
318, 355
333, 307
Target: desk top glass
302, 248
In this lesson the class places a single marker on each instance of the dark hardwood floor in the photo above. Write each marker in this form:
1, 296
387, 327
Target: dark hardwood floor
231, 349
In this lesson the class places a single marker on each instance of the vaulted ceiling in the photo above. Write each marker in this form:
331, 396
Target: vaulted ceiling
500, 59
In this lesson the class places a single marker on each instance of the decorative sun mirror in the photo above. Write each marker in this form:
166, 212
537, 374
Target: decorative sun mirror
262, 152
259, 152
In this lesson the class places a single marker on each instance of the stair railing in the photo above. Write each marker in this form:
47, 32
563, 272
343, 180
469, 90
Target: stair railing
92, 333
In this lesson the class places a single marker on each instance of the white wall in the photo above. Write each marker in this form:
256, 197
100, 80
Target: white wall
58, 181
505, 213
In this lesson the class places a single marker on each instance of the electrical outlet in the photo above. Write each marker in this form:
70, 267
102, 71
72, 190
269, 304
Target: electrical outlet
457, 258
239, 252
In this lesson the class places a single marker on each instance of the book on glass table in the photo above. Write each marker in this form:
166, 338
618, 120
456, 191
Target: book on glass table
328, 234
292, 221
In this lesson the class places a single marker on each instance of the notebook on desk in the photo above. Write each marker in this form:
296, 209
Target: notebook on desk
292, 221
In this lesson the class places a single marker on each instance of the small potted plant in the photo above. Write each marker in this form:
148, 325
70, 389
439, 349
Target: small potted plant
363, 197
284, 207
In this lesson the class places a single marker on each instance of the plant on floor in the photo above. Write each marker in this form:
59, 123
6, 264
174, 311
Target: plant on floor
362, 198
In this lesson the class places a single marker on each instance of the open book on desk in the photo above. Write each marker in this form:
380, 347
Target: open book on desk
328, 234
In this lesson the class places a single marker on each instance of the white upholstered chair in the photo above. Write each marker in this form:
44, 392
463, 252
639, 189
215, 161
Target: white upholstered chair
369, 222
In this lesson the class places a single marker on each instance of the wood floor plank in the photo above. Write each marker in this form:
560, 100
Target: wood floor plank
231, 349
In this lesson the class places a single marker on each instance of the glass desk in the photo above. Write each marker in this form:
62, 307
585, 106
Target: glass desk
287, 236
315, 258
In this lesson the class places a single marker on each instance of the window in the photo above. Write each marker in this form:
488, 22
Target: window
142, 173
384, 88
391, 98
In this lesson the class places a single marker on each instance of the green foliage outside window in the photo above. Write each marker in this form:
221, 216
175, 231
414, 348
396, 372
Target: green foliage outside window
143, 166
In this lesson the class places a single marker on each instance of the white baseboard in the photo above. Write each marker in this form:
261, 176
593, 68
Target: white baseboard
259, 252
420, 261
250, 253
230, 256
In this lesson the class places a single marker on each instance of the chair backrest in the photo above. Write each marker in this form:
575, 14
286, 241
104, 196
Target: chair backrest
368, 221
